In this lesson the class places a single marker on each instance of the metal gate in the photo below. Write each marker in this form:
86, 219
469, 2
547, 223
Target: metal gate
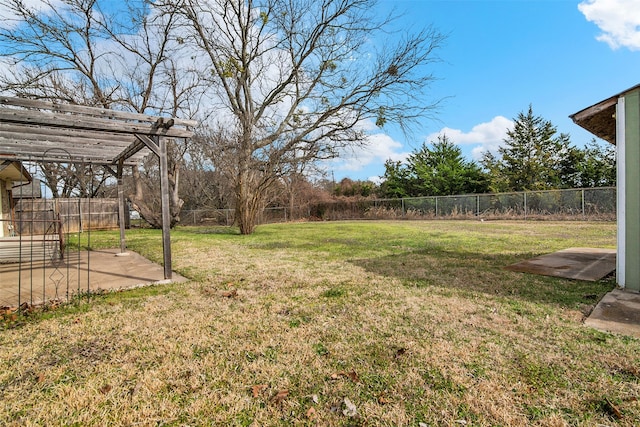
41, 262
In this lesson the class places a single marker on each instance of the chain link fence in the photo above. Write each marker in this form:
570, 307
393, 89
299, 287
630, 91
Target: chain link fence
572, 204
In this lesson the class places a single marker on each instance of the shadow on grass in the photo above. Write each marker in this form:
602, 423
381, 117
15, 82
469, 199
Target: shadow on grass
484, 273
220, 230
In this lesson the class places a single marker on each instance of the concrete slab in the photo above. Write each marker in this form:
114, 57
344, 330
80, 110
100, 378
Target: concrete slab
40, 281
589, 264
618, 312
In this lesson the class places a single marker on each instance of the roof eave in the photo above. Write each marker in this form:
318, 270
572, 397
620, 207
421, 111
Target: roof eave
600, 118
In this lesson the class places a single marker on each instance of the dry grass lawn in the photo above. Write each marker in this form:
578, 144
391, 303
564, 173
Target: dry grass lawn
347, 323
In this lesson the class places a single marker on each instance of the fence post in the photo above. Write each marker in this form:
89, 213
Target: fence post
583, 215
402, 201
525, 204
478, 205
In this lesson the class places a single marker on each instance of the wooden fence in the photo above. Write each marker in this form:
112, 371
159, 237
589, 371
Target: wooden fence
35, 216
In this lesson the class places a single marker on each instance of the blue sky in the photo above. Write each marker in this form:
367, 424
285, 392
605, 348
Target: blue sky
560, 56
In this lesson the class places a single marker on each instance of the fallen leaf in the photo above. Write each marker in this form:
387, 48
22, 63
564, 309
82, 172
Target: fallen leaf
311, 412
352, 376
315, 399
230, 294
383, 399
350, 409
279, 397
257, 389
41, 377
105, 389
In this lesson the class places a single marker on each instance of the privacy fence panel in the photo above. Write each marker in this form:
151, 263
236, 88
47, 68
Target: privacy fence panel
34, 216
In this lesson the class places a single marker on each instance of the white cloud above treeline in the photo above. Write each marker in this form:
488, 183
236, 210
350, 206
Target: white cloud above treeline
379, 148
486, 136
619, 21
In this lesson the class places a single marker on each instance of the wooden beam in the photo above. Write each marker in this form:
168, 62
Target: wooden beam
122, 220
110, 171
32, 150
38, 156
37, 132
166, 207
134, 148
89, 111
102, 147
62, 120
149, 143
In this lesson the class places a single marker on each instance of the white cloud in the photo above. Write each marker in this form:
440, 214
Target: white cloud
377, 180
10, 20
485, 136
619, 21
380, 148
369, 158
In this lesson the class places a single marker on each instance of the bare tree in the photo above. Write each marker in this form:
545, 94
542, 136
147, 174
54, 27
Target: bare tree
121, 55
73, 179
295, 81
206, 184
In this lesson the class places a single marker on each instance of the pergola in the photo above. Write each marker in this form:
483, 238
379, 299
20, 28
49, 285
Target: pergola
34, 130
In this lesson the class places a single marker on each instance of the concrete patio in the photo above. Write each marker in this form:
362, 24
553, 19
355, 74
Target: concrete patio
39, 281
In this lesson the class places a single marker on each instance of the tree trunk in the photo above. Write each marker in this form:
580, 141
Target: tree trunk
149, 207
246, 207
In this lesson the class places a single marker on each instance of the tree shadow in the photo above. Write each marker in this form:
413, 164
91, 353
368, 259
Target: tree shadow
467, 271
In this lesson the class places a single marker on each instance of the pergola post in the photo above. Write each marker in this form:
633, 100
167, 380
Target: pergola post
166, 207
121, 210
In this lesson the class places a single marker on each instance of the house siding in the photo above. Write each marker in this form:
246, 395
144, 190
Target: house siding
632, 190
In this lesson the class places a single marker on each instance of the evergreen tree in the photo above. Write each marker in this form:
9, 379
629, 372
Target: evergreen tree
597, 166
532, 158
436, 170
398, 181
441, 170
